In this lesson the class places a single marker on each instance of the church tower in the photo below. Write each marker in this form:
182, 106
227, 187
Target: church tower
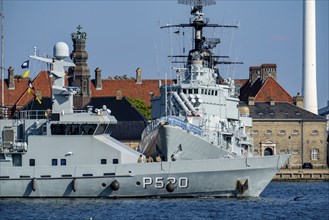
80, 74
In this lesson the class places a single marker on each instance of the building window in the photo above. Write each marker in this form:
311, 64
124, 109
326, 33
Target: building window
315, 132
282, 151
63, 162
268, 151
268, 132
103, 161
84, 86
32, 162
294, 152
54, 162
295, 132
314, 154
282, 132
254, 132
115, 161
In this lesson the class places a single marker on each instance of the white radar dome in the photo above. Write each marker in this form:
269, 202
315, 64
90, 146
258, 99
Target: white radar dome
61, 50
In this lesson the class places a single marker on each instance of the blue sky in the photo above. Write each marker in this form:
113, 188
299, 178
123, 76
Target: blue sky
124, 35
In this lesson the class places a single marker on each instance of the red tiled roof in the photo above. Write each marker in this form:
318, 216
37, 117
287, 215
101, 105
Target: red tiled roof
42, 83
128, 88
19, 96
263, 92
272, 90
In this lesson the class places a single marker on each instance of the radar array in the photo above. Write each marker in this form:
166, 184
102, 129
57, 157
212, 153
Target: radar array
197, 2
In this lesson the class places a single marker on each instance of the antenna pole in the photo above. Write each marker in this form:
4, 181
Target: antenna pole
2, 55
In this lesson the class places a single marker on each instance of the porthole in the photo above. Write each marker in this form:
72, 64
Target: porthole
138, 183
103, 185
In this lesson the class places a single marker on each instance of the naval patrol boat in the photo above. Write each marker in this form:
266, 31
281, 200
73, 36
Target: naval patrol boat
199, 148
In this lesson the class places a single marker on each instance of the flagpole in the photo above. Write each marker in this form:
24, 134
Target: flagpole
2, 56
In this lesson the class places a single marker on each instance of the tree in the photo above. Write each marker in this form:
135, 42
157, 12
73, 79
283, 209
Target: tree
140, 105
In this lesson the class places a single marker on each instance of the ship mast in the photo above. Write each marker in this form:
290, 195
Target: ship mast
199, 22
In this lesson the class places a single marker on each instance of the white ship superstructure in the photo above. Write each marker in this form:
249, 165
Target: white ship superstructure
201, 106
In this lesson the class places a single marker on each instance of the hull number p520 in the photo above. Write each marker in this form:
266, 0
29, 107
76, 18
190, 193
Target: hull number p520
160, 182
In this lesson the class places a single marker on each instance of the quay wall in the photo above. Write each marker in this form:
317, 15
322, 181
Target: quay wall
296, 175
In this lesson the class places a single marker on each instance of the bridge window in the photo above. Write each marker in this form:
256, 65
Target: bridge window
57, 129
88, 129
103, 161
75, 129
101, 129
115, 161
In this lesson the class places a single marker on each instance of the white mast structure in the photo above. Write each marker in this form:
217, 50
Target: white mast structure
309, 58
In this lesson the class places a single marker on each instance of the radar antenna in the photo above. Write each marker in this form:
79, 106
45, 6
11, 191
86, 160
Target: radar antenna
197, 2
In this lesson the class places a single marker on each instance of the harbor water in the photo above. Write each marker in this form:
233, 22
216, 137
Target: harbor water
280, 200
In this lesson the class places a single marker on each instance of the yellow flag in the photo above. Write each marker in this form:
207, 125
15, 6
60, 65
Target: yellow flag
29, 91
25, 74
38, 100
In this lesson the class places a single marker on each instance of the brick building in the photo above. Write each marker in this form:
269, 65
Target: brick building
280, 124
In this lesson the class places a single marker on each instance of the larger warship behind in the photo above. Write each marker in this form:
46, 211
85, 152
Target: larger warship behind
195, 146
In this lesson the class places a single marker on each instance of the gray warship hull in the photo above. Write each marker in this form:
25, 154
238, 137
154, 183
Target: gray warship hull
212, 177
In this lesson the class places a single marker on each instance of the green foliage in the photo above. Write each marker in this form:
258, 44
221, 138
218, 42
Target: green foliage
140, 105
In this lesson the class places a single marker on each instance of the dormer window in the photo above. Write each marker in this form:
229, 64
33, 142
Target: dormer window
282, 132
315, 132
268, 132
295, 132
254, 132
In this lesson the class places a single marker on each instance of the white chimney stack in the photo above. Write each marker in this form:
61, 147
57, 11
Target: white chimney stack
309, 58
